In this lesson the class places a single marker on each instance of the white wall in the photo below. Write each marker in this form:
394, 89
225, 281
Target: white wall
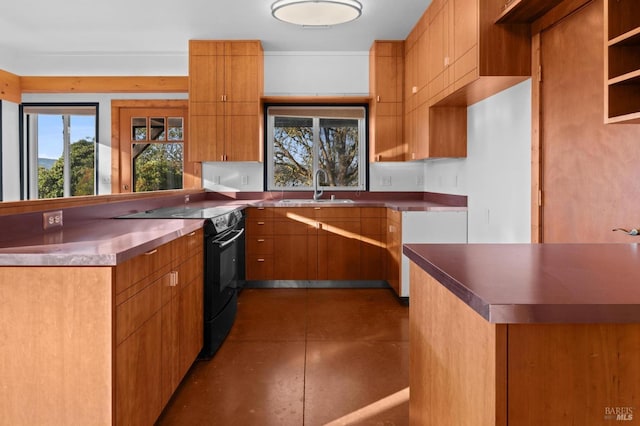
496, 175
10, 151
316, 73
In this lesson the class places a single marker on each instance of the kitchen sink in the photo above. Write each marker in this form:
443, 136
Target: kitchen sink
312, 201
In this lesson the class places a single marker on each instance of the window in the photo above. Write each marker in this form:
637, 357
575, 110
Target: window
157, 153
61, 149
301, 140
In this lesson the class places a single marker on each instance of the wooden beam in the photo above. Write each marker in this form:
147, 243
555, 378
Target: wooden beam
10, 89
105, 84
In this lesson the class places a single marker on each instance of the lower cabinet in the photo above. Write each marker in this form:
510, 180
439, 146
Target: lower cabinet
158, 323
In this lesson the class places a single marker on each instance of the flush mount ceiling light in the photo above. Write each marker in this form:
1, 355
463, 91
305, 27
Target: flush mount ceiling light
316, 13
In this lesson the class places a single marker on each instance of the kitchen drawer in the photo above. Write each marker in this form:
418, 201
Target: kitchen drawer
259, 267
394, 215
260, 245
187, 245
259, 213
191, 269
259, 227
156, 261
135, 311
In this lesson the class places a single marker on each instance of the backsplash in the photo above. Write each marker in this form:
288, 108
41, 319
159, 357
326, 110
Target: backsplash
249, 177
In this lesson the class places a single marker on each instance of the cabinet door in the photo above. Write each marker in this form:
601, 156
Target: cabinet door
438, 42
206, 139
339, 249
189, 323
394, 246
241, 78
296, 252
373, 244
242, 139
206, 78
465, 38
138, 397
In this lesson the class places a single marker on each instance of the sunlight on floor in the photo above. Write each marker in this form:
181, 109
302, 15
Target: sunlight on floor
371, 410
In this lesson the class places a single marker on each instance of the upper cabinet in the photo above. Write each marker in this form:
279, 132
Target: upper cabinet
225, 86
385, 86
477, 58
622, 58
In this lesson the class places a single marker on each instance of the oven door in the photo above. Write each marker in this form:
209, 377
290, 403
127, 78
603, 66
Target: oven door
228, 248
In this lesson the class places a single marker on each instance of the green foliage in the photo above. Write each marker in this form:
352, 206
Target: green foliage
159, 166
82, 158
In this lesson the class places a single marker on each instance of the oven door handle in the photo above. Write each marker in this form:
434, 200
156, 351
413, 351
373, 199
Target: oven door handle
227, 242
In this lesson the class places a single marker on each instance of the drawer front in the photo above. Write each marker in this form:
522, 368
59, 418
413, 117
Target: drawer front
190, 270
338, 212
259, 227
260, 245
135, 311
259, 267
373, 212
259, 213
142, 266
187, 245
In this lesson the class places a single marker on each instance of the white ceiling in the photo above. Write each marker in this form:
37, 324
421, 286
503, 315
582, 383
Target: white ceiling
164, 26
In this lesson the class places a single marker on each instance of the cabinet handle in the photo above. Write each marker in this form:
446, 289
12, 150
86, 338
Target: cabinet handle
149, 253
261, 240
446, 61
173, 279
260, 223
192, 234
377, 98
260, 260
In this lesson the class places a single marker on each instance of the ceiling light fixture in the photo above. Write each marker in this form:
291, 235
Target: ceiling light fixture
316, 13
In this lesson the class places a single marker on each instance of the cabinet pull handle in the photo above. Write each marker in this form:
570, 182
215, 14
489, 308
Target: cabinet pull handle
260, 260
260, 223
150, 252
261, 240
173, 279
260, 208
192, 234
222, 157
377, 98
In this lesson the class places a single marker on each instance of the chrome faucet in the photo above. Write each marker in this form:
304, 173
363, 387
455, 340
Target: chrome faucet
317, 193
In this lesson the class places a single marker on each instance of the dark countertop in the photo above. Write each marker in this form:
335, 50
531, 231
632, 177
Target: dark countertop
96, 241
538, 283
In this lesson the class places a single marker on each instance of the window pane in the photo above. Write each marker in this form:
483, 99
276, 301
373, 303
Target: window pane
293, 151
139, 129
175, 129
339, 151
157, 129
50, 130
157, 166
305, 139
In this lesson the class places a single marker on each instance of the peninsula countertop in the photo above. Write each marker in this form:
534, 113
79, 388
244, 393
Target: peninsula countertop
538, 283
98, 240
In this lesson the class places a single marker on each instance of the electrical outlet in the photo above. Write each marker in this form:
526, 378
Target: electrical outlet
245, 180
186, 199
385, 181
52, 219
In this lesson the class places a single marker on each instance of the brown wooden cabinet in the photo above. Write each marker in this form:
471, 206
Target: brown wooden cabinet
622, 59
339, 243
394, 248
225, 85
315, 243
385, 86
373, 243
158, 326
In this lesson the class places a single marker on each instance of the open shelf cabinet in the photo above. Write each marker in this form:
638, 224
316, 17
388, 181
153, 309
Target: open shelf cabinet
622, 53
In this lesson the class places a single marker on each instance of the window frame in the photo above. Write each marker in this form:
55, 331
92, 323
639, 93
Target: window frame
28, 173
363, 149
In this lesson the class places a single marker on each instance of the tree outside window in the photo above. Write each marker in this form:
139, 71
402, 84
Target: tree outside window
305, 139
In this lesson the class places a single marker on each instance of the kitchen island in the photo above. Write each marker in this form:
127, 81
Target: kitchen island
522, 334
